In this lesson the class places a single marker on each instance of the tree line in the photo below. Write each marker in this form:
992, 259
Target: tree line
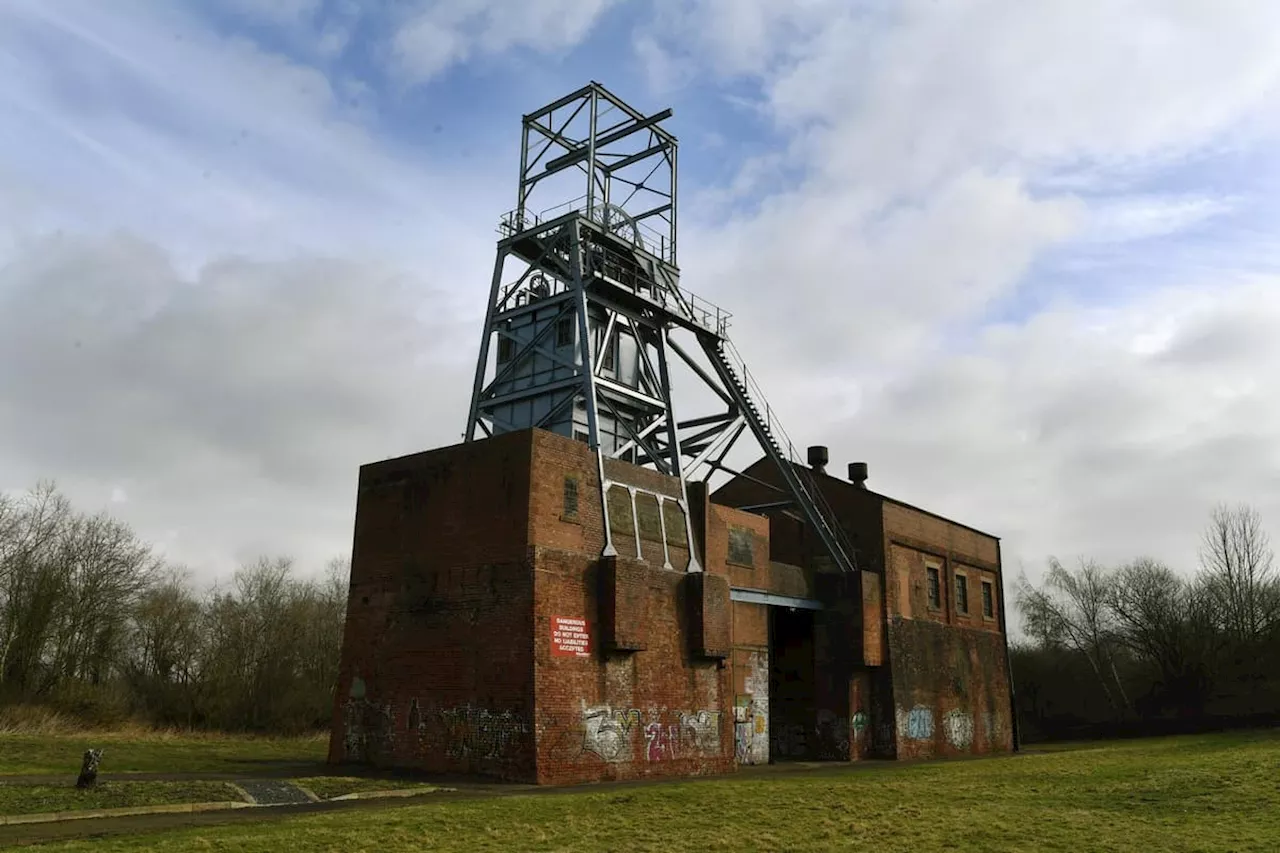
1142, 649
94, 624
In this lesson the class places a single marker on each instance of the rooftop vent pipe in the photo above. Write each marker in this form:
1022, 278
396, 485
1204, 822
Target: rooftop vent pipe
858, 474
818, 458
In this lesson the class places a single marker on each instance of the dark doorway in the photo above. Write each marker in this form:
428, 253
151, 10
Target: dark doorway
791, 684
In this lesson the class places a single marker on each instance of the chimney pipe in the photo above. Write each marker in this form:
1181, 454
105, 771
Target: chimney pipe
818, 458
858, 474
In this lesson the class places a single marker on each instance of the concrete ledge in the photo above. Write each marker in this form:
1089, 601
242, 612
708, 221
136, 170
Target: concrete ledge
244, 795
311, 795
84, 814
404, 792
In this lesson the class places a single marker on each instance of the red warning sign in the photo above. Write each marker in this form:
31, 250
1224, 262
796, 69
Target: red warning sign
570, 638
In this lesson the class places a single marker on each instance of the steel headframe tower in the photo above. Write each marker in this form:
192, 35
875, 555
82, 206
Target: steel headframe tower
585, 304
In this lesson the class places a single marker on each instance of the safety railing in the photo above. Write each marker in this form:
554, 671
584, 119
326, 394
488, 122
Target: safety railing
648, 239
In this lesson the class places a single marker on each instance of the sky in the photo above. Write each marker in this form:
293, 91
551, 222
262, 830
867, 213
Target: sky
1019, 258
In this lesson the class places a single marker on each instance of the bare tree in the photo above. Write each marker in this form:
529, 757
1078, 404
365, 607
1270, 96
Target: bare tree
1163, 620
1237, 559
1072, 611
92, 620
167, 646
32, 583
105, 568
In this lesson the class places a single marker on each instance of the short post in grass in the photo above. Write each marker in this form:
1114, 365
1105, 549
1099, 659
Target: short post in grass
89, 768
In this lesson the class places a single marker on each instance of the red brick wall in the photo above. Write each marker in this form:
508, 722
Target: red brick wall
663, 711
949, 670
950, 690
651, 705
436, 669
556, 458
753, 530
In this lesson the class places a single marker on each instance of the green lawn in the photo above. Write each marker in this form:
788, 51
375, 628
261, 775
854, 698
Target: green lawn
23, 754
38, 799
1209, 793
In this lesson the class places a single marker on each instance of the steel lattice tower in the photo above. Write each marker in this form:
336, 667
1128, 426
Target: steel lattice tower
585, 308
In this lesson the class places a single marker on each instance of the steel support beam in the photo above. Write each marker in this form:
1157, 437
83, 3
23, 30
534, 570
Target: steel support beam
755, 596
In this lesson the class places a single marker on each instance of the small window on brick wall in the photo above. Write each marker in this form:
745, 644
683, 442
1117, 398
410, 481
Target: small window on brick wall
988, 600
571, 497
935, 586
962, 594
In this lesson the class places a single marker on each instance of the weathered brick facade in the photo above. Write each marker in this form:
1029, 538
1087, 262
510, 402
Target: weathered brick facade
496, 627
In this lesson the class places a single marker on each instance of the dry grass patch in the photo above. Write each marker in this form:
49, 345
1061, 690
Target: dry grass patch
152, 751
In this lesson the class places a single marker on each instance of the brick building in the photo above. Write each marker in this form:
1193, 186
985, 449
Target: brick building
487, 635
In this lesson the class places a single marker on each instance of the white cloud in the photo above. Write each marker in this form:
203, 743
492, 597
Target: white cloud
942, 147
201, 142
859, 286
226, 328
1064, 437
1141, 217
204, 272
441, 33
237, 404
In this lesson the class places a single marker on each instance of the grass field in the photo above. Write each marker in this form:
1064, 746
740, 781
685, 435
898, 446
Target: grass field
36, 799
1207, 793
154, 752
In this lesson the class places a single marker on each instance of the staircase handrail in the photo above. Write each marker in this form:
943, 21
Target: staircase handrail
785, 447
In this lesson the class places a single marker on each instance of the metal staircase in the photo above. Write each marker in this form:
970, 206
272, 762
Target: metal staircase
773, 438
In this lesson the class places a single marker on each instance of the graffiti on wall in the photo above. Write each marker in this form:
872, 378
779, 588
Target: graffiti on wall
367, 728
832, 735
751, 713
468, 731
693, 734
958, 727
607, 732
916, 724
461, 732
614, 734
